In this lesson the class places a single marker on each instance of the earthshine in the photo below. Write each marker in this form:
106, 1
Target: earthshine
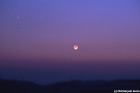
75, 47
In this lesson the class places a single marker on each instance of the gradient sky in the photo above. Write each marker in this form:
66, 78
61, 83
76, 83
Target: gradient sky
37, 37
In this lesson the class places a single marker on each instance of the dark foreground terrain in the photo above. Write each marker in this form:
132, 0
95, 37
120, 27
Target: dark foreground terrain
14, 86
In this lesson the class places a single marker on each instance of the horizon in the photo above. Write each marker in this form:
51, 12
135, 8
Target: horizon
66, 71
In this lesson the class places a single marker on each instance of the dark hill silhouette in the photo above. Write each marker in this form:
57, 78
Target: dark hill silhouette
14, 86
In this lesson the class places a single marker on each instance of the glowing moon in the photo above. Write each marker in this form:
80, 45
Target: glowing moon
75, 47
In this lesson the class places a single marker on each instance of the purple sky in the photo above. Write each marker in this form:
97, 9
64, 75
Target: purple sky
39, 35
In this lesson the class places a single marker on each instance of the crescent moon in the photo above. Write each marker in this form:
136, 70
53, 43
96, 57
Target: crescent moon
75, 47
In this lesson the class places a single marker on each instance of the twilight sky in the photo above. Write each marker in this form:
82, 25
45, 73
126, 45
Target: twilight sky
37, 36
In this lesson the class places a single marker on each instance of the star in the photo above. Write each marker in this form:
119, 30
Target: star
18, 17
